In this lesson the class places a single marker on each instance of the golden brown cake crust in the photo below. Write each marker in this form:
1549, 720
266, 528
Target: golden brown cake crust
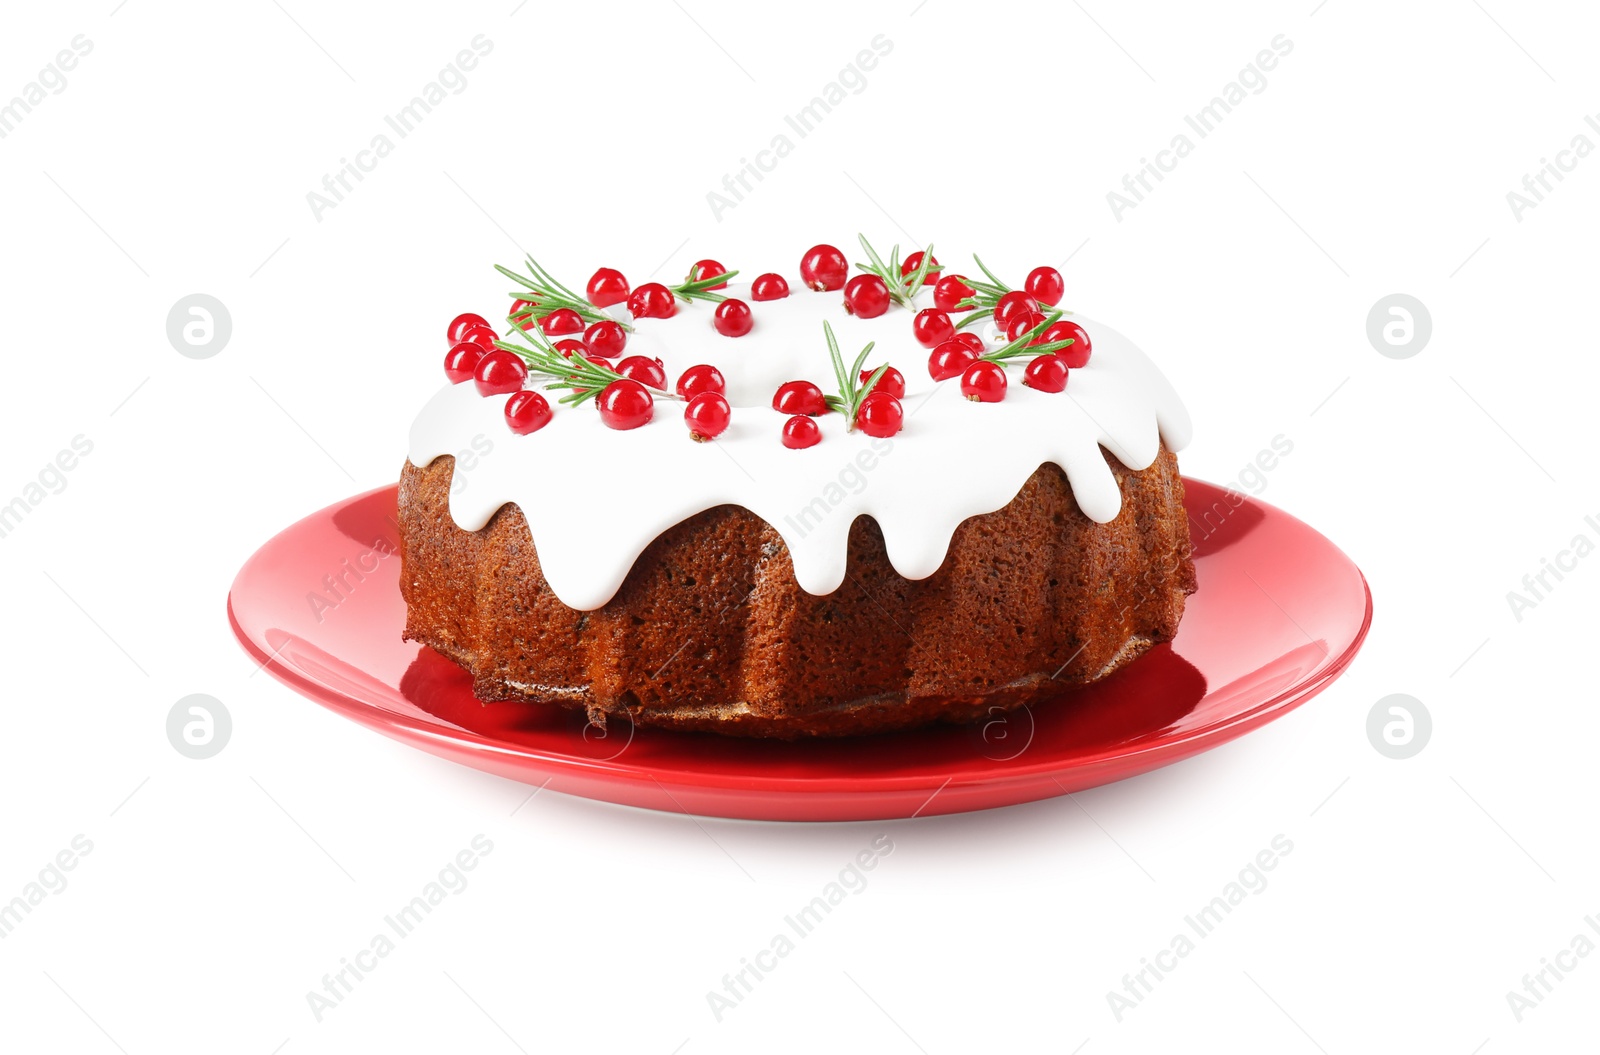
710, 631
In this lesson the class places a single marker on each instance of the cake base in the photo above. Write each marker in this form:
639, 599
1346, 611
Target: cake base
711, 632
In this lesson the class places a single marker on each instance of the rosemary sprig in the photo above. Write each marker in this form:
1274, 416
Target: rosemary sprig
693, 288
852, 390
901, 289
582, 378
548, 294
986, 295
1020, 347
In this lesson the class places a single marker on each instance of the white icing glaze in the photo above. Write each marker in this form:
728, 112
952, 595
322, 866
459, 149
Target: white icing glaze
954, 459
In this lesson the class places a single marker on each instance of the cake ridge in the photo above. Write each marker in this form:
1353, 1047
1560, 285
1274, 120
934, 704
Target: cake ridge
798, 664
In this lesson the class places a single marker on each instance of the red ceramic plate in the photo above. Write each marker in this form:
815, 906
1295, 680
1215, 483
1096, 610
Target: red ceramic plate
1280, 613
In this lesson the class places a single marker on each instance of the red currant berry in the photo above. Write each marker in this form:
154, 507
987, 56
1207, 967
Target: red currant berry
1012, 303
1076, 354
866, 296
971, 340
569, 347
606, 339
462, 323
770, 286
607, 287
527, 412
704, 269
500, 373
880, 415
892, 382
824, 268
561, 322
950, 359
932, 327
523, 312
799, 397
698, 379
913, 262
733, 318
1047, 373
951, 291
984, 382
800, 432
1045, 284
482, 336
652, 301
625, 404
1021, 322
707, 415
461, 361
645, 371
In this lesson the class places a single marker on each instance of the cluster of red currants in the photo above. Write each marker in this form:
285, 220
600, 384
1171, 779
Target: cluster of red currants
624, 403
879, 414
654, 300
984, 380
494, 371
628, 400
1016, 313
824, 268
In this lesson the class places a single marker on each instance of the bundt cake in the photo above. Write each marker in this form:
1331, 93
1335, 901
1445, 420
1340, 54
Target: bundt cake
981, 509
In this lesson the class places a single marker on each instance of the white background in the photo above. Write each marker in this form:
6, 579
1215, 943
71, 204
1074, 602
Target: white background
1376, 160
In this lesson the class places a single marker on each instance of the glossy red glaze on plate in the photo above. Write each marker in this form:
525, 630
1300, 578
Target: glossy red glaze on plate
1279, 614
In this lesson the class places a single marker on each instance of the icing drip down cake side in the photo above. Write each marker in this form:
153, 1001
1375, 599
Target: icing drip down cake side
816, 501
